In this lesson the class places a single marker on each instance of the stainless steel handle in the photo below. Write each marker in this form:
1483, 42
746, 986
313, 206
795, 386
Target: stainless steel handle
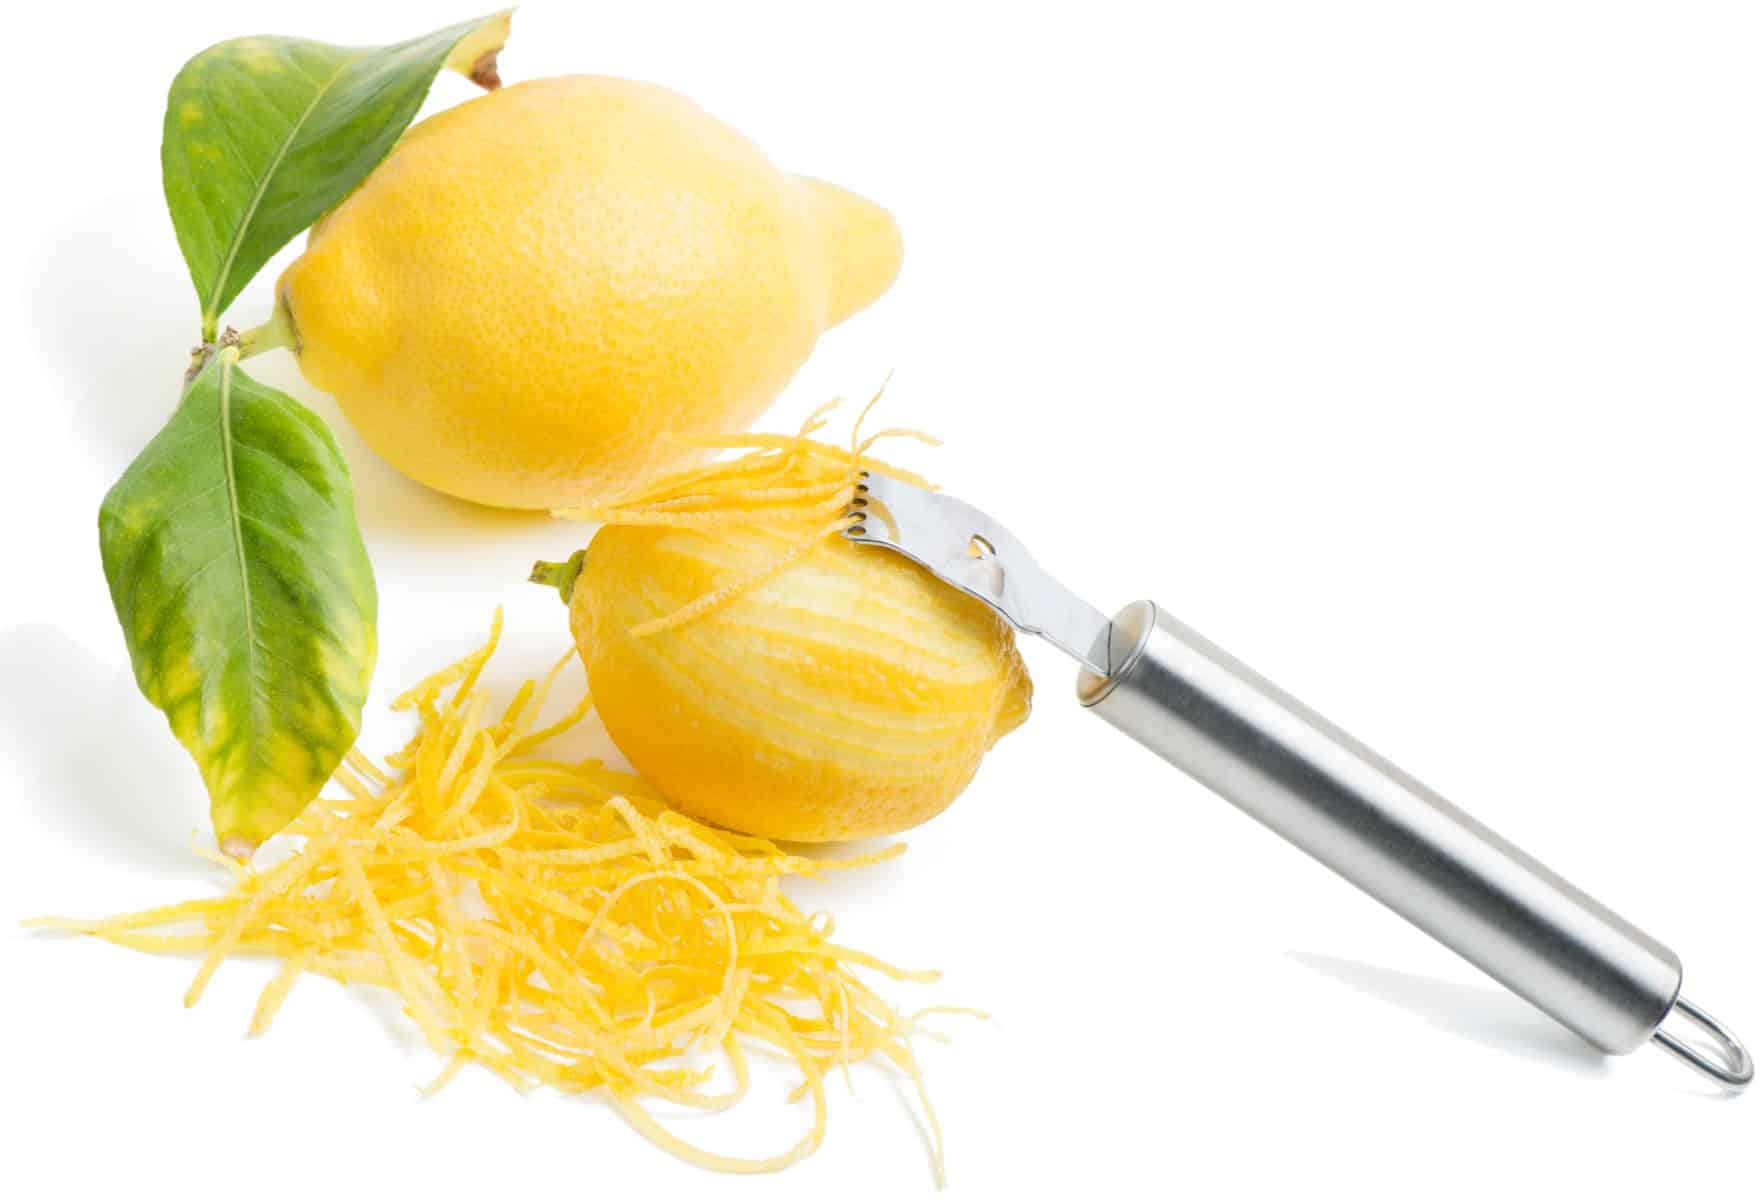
1395, 838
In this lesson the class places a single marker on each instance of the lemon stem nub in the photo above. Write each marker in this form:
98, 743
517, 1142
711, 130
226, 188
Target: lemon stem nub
561, 576
275, 333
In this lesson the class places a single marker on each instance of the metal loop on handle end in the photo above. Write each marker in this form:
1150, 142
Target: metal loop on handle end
1734, 1074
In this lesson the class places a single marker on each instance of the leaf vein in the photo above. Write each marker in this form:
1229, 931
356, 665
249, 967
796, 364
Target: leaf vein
209, 305
311, 672
162, 518
291, 471
178, 593
232, 486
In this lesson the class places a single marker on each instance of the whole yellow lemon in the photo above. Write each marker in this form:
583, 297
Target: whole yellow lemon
848, 695
540, 285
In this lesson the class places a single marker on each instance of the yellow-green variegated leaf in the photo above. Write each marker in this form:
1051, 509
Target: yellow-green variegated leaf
245, 595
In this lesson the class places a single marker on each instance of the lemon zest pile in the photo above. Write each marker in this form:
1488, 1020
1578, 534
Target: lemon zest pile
554, 922
788, 485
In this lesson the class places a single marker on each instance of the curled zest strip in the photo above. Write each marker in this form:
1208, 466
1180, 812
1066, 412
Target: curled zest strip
790, 485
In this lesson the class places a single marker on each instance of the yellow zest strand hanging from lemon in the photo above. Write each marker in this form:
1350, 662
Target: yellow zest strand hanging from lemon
554, 922
792, 489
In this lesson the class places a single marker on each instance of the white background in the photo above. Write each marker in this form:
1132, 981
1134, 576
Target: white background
1411, 351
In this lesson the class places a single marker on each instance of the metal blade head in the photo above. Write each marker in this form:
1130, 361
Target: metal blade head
970, 551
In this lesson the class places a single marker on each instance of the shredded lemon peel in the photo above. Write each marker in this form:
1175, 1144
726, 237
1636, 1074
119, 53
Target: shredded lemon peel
554, 922
787, 484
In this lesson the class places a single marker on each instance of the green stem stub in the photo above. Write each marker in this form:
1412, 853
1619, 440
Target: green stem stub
277, 333
561, 576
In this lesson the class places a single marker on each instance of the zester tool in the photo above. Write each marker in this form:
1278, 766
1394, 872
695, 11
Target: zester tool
1378, 827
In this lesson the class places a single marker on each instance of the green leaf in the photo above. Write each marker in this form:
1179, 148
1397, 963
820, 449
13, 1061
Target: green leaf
245, 595
263, 135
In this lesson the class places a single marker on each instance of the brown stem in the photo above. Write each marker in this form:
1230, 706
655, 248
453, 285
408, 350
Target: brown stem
199, 355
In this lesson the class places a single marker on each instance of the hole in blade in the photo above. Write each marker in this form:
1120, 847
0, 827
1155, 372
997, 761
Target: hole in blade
981, 569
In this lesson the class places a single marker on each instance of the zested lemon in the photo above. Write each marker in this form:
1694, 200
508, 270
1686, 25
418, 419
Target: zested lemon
540, 290
771, 677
